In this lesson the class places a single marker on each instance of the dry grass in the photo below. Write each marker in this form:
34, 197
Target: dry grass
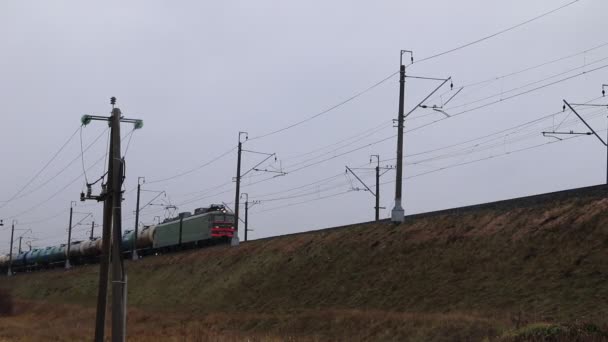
449, 276
36, 321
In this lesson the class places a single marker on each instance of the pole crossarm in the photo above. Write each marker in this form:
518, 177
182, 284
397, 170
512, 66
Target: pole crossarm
86, 119
586, 124
590, 104
568, 133
362, 182
269, 155
427, 97
427, 78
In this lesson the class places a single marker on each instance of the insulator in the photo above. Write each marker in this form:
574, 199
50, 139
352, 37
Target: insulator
112, 100
564, 108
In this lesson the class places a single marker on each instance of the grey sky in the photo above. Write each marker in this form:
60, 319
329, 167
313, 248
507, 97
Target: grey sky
199, 72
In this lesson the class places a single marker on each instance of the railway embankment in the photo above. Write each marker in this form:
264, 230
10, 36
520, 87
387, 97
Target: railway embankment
489, 271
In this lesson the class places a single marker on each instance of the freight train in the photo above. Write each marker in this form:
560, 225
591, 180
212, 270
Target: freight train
204, 227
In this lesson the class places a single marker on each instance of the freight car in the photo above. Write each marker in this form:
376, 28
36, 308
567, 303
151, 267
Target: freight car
204, 227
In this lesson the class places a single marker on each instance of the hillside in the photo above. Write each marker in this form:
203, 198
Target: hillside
467, 273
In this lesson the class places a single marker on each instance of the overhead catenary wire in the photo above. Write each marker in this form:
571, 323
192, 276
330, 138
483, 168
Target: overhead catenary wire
529, 91
537, 66
298, 123
181, 174
525, 85
511, 28
425, 173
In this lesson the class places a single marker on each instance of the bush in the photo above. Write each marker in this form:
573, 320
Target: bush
6, 303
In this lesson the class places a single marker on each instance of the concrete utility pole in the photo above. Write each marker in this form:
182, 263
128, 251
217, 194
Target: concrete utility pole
112, 231
104, 262
19, 249
247, 206
67, 253
10, 251
398, 214
134, 248
376, 194
377, 186
92, 230
237, 196
118, 274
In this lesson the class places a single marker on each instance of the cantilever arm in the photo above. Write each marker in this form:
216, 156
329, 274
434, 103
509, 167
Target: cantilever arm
586, 124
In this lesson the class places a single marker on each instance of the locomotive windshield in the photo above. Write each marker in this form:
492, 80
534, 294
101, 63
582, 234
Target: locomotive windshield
229, 218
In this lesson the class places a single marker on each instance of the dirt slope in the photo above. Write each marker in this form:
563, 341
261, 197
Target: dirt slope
471, 272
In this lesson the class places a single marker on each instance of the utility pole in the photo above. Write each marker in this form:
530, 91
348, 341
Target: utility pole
247, 206
376, 194
237, 196
118, 274
104, 262
21, 237
377, 185
134, 247
112, 232
398, 214
92, 230
10, 253
67, 253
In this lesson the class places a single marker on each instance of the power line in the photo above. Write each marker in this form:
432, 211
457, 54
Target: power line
529, 91
532, 67
424, 173
525, 85
62, 189
358, 135
41, 170
326, 110
193, 169
488, 157
41, 185
497, 33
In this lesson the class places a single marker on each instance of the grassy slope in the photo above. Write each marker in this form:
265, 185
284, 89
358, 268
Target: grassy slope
542, 260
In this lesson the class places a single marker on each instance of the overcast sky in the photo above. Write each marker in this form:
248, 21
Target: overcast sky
197, 73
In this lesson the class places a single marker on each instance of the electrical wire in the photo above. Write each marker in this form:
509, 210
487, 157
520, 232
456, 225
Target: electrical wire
326, 110
75, 159
537, 66
41, 170
497, 33
193, 169
525, 85
82, 157
421, 174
